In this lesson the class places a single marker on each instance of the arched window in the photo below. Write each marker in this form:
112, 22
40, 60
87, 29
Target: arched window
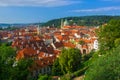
84, 51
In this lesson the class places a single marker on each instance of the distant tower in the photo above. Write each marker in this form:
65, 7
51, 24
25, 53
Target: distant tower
74, 24
38, 30
62, 23
27, 30
66, 22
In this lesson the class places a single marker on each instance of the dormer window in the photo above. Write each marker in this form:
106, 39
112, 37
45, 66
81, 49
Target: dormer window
51, 55
37, 43
48, 46
21, 47
27, 46
40, 47
32, 45
38, 51
17, 43
22, 42
48, 61
34, 48
46, 55
41, 44
30, 54
39, 58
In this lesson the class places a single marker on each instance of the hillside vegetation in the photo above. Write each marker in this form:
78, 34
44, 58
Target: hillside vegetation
82, 21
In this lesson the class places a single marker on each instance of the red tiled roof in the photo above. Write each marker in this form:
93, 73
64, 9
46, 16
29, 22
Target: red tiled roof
58, 44
69, 45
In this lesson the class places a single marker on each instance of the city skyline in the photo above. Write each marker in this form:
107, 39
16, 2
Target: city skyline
30, 11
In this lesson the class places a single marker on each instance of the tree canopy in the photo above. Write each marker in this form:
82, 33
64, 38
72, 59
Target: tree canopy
106, 64
10, 69
82, 20
109, 35
106, 67
56, 69
44, 77
70, 60
6, 52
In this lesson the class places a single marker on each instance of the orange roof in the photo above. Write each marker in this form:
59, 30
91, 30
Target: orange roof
59, 37
20, 55
37, 38
57, 52
85, 46
67, 27
25, 53
86, 40
69, 45
58, 44
47, 37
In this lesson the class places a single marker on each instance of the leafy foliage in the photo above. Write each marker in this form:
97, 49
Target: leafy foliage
81, 42
9, 68
86, 57
44, 77
56, 69
117, 42
83, 20
21, 70
75, 74
70, 60
109, 35
6, 52
106, 67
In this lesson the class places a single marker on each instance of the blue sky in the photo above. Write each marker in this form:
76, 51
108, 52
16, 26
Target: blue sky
27, 11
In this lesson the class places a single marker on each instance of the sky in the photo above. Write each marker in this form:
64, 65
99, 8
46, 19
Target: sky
31, 11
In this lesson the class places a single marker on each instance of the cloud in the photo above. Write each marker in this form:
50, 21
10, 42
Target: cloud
42, 3
98, 9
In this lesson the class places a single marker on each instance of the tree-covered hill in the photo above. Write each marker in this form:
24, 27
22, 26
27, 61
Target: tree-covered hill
82, 20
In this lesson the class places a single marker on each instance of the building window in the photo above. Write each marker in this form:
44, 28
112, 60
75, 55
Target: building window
84, 51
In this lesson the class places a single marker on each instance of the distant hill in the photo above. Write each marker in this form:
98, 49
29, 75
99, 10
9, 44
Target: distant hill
82, 20
9, 25
18, 25
4, 25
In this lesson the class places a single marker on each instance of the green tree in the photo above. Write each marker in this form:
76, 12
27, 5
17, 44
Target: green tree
108, 34
6, 52
70, 60
21, 70
44, 77
117, 42
9, 68
81, 42
86, 57
6, 59
56, 69
83, 20
106, 67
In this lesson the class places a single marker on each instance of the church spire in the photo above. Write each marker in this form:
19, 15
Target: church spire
38, 30
61, 23
66, 22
